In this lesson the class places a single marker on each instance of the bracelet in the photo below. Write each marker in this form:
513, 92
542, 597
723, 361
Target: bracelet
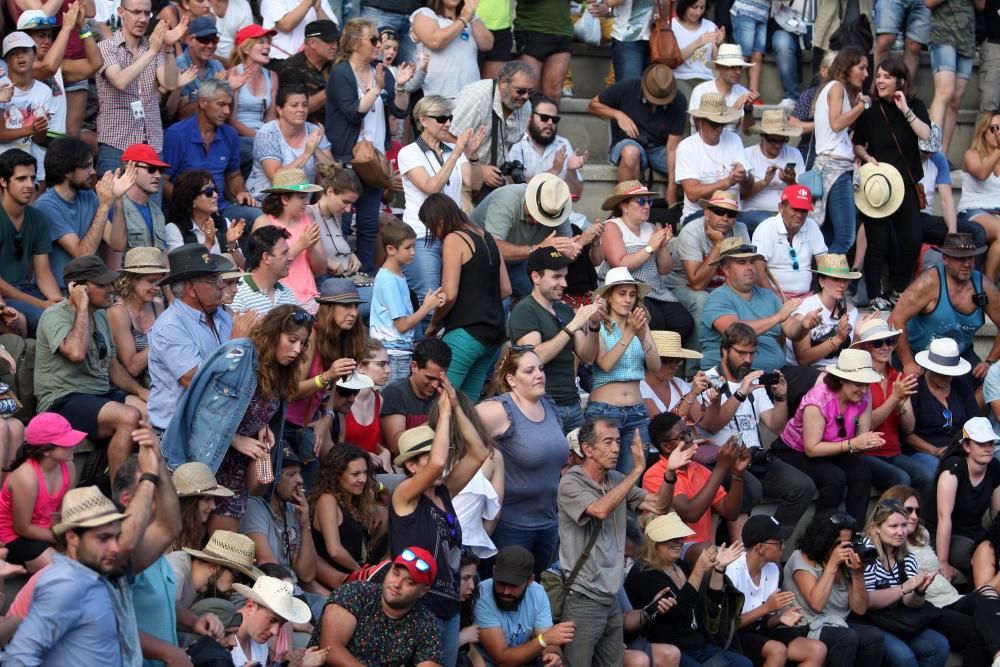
566, 331
85, 35
594, 328
689, 401
150, 477
472, 161
669, 480
464, 20
541, 640
909, 115
318, 380
722, 571
850, 447
739, 396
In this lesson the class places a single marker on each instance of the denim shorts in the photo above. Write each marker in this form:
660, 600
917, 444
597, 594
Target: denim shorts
750, 34
971, 213
657, 155
892, 16
944, 57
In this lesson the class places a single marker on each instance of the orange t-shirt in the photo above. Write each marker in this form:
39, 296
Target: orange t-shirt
690, 480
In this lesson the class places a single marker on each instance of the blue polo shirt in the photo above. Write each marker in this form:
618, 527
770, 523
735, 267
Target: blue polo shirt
184, 150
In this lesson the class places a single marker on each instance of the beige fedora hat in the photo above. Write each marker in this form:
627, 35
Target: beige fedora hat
855, 366
626, 190
737, 247
729, 55
414, 442
775, 122
835, 266
145, 260
548, 199
620, 275
667, 527
292, 180
228, 549
881, 190
713, 107
668, 344
278, 596
86, 507
659, 85
721, 199
196, 479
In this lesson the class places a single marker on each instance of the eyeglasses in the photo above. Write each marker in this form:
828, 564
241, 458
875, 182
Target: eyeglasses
443, 119
726, 213
208, 39
151, 169
373, 40
643, 201
948, 416
209, 191
776, 543
795, 258
102, 345
545, 118
843, 520
410, 557
217, 281
384, 363
524, 92
139, 13
772, 139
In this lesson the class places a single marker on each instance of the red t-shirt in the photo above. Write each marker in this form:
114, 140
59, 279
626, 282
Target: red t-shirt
690, 480
890, 427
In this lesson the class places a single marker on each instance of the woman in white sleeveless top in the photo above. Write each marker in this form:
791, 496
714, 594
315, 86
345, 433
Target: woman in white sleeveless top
980, 202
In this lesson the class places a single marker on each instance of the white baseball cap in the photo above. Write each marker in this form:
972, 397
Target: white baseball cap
17, 40
979, 429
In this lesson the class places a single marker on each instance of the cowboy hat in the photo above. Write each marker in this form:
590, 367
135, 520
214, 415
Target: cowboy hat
959, 245
855, 366
190, 261
197, 479
86, 507
881, 190
278, 596
942, 357
668, 344
292, 180
667, 527
626, 190
144, 260
721, 199
729, 55
872, 330
622, 276
230, 550
659, 85
835, 266
713, 107
737, 247
414, 442
775, 122
548, 199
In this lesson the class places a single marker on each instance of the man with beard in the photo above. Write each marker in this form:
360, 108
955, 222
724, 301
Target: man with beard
260, 290
543, 149
77, 372
513, 614
948, 302
82, 611
367, 624
726, 416
543, 320
145, 225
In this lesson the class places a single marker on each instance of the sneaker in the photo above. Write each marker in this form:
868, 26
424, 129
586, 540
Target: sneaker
567, 92
787, 103
882, 304
894, 297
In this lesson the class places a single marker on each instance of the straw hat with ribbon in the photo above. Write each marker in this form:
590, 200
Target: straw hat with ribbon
729, 55
548, 199
145, 260
713, 107
658, 85
855, 365
86, 507
292, 180
775, 122
197, 479
231, 550
835, 266
737, 248
881, 190
872, 330
667, 527
721, 199
414, 442
668, 345
622, 276
278, 596
942, 357
626, 190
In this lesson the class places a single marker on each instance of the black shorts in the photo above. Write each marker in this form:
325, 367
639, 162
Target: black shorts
503, 47
752, 643
81, 410
22, 550
540, 45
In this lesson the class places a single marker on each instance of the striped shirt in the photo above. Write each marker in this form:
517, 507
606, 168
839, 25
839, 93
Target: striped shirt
249, 297
116, 125
877, 576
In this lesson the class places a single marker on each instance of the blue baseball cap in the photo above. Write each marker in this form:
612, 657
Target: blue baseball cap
203, 26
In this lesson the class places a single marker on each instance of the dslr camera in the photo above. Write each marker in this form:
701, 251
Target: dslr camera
513, 170
715, 379
865, 552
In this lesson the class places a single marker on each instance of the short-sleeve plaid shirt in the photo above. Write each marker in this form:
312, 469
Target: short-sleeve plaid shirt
116, 126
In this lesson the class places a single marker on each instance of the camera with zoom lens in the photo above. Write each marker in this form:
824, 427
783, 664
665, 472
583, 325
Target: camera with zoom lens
865, 552
513, 170
715, 380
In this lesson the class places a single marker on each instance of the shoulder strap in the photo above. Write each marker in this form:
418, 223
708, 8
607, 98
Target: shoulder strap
896, 141
583, 556
494, 127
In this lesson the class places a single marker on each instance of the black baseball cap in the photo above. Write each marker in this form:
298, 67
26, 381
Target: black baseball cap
88, 269
547, 258
325, 30
760, 528
514, 566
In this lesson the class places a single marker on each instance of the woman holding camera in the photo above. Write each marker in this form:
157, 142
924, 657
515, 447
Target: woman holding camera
831, 425
661, 574
894, 581
827, 577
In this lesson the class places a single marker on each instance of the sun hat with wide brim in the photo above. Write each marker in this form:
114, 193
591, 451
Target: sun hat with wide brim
231, 550
881, 190
197, 479
721, 199
233, 273
292, 180
737, 247
86, 507
622, 276
872, 330
729, 55
548, 199
943, 357
834, 266
659, 85
626, 190
145, 260
668, 344
278, 596
855, 365
713, 107
356, 382
775, 122
414, 442
959, 245
667, 527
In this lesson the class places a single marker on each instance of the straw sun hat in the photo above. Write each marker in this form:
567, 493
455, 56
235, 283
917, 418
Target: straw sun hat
855, 366
881, 190
668, 345
86, 507
292, 180
196, 479
228, 549
145, 260
774, 122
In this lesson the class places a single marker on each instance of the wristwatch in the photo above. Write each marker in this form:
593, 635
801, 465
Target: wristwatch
649, 249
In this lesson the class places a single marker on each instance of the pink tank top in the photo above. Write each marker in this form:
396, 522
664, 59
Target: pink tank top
301, 412
300, 276
45, 508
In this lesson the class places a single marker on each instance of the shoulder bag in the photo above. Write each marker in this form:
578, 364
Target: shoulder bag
919, 187
900, 620
556, 584
371, 165
662, 41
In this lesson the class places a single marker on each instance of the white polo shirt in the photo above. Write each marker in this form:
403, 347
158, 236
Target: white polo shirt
771, 239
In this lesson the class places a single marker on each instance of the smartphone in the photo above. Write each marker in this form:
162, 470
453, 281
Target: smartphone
790, 166
767, 379
652, 609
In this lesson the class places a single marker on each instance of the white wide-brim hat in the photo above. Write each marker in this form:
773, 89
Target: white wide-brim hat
881, 190
942, 356
278, 596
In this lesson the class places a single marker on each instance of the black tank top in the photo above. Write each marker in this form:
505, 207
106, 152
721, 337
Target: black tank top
478, 307
353, 537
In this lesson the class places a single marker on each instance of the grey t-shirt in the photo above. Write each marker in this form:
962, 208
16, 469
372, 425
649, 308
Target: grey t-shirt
837, 606
502, 215
692, 244
602, 574
284, 536
180, 562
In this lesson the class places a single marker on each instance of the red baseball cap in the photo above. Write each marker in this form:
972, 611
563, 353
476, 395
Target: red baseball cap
143, 153
253, 31
419, 563
48, 428
797, 196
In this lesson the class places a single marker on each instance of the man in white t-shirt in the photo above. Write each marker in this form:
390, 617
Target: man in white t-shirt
289, 18
711, 159
26, 117
270, 604
728, 66
788, 242
773, 163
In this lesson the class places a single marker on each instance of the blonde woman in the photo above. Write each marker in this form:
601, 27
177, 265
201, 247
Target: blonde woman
254, 102
137, 307
981, 187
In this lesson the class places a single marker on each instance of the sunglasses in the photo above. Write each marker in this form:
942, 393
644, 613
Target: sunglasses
795, 258
725, 213
102, 345
948, 416
522, 348
894, 506
443, 119
884, 342
208, 39
842, 520
19, 244
151, 169
387, 34
994, 128
772, 139
209, 191
914, 511
524, 92
36, 23
713, 124
643, 201
300, 317
373, 40
410, 557
545, 118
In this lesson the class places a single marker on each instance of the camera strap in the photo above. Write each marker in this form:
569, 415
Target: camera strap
494, 127
735, 425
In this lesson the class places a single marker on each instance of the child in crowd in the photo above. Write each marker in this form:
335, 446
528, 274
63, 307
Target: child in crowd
393, 319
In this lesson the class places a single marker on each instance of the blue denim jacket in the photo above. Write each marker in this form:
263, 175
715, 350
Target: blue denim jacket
213, 406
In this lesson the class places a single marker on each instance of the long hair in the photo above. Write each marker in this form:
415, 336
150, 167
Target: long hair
847, 57
186, 189
193, 532
508, 366
901, 492
992, 536
820, 537
442, 216
467, 610
458, 446
242, 51
26, 452
883, 510
649, 555
352, 35
333, 343
897, 69
979, 134
333, 465
273, 379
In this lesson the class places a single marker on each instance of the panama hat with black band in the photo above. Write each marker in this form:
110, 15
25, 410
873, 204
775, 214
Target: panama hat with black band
548, 199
